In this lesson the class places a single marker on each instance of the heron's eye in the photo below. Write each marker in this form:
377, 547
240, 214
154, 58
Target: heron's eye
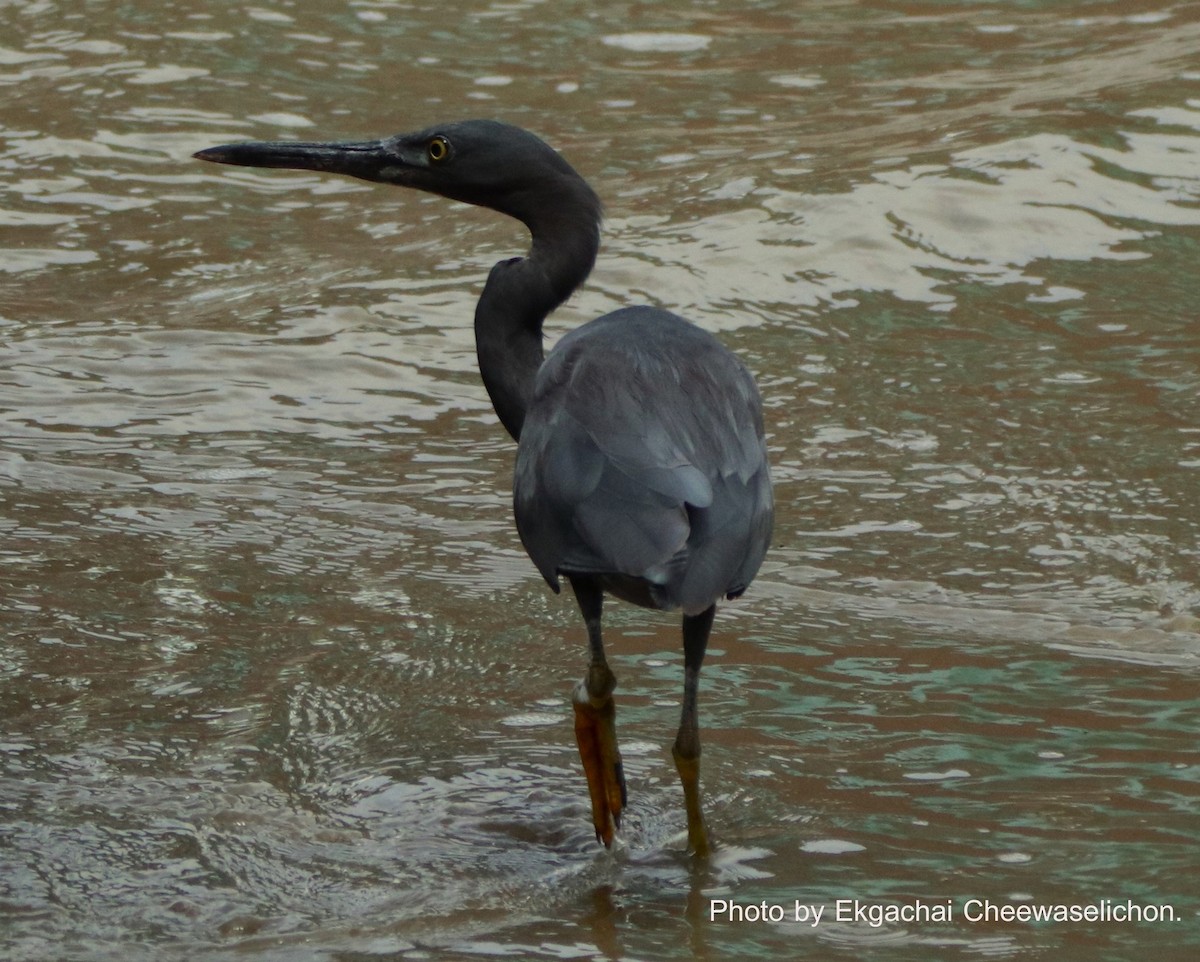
438, 149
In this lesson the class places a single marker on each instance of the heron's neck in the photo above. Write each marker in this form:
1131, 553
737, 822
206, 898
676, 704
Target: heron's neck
518, 296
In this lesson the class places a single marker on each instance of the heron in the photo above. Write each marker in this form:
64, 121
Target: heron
641, 468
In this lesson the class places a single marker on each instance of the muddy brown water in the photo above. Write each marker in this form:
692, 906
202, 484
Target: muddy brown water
278, 682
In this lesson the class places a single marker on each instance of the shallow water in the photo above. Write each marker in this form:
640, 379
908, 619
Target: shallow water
276, 678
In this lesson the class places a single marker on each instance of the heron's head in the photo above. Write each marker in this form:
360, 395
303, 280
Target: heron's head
481, 162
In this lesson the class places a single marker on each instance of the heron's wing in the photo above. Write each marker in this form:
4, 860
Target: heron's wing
642, 454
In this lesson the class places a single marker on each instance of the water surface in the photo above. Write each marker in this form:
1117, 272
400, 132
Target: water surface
276, 678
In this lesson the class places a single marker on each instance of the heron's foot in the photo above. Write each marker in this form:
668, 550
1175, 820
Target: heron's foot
596, 735
689, 775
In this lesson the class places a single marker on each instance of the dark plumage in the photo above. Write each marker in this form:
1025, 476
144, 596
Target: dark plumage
642, 457
641, 462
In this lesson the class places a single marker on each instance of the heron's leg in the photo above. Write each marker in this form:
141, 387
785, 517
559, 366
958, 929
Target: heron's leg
595, 721
687, 743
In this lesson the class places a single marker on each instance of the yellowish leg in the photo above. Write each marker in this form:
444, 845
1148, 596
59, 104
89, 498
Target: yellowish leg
596, 721
687, 743
689, 775
596, 736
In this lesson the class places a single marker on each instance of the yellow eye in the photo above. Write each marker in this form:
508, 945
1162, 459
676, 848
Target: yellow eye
438, 149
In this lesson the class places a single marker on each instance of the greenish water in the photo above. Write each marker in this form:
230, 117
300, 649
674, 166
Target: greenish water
278, 682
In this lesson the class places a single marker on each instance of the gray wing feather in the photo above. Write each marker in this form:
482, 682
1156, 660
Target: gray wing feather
642, 454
